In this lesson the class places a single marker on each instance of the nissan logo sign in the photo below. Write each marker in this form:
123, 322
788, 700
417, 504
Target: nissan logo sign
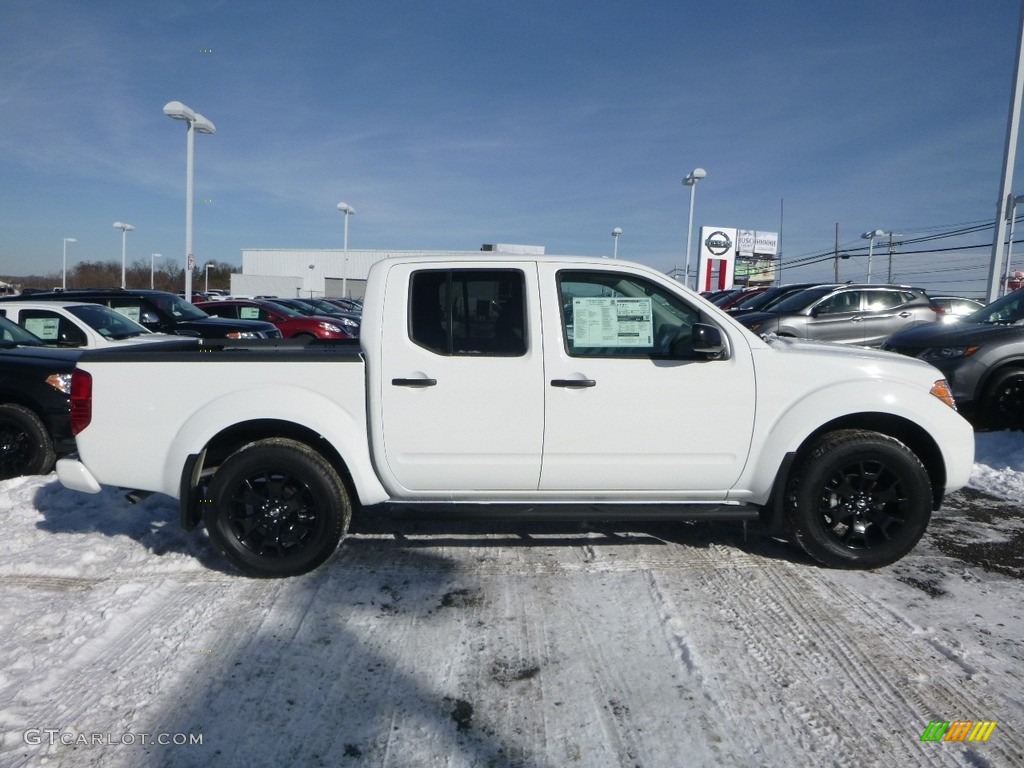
718, 243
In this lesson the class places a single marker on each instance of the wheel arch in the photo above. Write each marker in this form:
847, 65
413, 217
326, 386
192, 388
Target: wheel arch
201, 466
908, 432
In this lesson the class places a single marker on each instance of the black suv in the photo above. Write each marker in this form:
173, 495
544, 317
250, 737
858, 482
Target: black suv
981, 356
865, 314
163, 312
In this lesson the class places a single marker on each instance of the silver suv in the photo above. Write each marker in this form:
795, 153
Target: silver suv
864, 314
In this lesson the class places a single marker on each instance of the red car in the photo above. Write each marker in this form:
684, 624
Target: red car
292, 324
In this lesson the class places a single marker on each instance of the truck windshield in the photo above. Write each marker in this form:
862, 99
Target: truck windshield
107, 322
177, 307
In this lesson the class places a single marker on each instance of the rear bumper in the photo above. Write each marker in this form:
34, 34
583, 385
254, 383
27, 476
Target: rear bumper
73, 474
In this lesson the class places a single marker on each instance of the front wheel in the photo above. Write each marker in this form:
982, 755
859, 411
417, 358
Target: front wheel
25, 445
276, 508
859, 500
1003, 404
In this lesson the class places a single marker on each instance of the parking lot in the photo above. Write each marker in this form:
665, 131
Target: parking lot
126, 640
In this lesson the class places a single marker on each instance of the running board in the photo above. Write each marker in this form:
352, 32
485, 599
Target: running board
610, 512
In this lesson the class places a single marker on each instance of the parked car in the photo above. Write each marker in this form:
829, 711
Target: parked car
351, 320
848, 314
745, 295
952, 308
289, 322
982, 357
764, 300
78, 324
164, 312
35, 381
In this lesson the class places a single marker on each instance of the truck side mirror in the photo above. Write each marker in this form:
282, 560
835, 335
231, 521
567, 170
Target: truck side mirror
707, 340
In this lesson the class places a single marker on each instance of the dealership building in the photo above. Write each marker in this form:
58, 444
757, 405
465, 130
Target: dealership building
728, 256
330, 271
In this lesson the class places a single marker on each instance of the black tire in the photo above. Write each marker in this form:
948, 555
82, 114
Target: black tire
1003, 403
276, 508
859, 500
25, 445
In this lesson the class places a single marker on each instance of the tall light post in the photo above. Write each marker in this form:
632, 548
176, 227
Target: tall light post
152, 268
1012, 216
691, 181
615, 239
348, 210
206, 282
870, 237
64, 267
125, 229
196, 122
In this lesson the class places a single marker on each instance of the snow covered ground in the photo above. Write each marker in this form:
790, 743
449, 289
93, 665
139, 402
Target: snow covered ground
126, 641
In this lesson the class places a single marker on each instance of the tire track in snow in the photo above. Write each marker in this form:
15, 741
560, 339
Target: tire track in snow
830, 632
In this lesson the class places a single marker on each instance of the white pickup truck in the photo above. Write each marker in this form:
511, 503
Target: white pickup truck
557, 386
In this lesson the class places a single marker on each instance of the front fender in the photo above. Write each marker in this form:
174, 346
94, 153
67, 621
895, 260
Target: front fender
788, 423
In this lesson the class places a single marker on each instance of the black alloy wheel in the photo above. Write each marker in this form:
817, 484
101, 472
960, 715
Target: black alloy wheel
276, 508
859, 500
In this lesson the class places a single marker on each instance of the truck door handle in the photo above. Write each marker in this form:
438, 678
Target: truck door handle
904, 314
573, 383
414, 382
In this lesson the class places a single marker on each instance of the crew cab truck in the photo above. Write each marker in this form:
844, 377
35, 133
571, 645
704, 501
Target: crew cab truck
558, 386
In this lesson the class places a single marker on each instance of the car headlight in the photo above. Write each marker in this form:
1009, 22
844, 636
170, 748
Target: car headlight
948, 353
347, 321
329, 327
243, 335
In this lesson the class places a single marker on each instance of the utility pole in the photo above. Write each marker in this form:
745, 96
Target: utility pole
890, 254
835, 259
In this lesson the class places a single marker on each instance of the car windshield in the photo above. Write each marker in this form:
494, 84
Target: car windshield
1008, 310
177, 307
761, 299
801, 300
107, 322
13, 335
282, 309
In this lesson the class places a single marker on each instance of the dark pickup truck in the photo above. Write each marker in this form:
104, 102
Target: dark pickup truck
35, 381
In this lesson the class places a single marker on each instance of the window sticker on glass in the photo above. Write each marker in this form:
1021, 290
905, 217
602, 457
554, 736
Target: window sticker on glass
132, 313
43, 327
612, 322
249, 313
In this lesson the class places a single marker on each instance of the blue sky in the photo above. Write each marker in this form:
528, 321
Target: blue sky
452, 123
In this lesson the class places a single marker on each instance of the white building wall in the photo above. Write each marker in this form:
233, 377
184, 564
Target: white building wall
311, 267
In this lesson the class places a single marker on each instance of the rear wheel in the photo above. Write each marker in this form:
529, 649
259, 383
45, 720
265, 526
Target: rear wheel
25, 444
276, 508
859, 500
1003, 404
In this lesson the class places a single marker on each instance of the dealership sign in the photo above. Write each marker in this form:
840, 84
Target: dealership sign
729, 256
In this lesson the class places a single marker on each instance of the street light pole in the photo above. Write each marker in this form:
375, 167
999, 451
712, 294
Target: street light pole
870, 237
125, 229
196, 122
615, 239
1009, 246
348, 210
206, 282
152, 268
691, 181
64, 267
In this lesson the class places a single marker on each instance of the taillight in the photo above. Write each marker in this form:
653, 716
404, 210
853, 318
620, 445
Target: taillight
81, 400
